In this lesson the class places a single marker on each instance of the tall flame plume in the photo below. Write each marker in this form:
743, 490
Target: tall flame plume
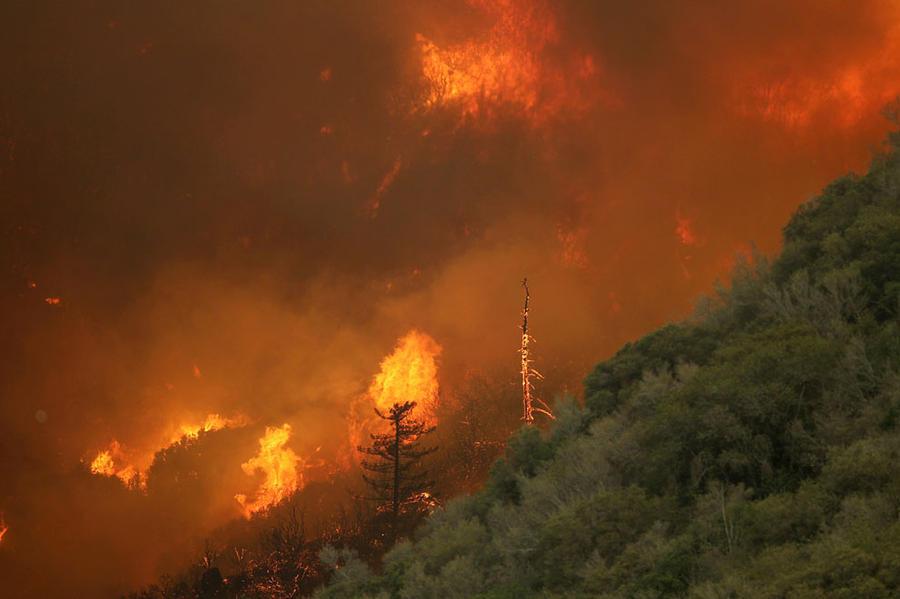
409, 373
279, 465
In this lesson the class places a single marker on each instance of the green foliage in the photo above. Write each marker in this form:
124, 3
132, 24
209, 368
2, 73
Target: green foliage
350, 576
753, 451
606, 386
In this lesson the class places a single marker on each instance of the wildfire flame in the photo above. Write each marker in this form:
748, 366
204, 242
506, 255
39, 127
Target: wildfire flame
279, 465
408, 374
112, 463
845, 95
505, 65
213, 422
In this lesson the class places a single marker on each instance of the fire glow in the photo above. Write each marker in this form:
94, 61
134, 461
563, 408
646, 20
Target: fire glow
116, 462
409, 373
111, 462
213, 422
279, 466
341, 174
505, 65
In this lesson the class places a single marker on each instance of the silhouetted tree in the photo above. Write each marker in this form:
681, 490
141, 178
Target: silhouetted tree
397, 478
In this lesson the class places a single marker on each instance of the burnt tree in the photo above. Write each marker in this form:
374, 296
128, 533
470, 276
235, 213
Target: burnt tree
397, 479
529, 373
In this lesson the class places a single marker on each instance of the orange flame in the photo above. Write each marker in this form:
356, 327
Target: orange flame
213, 422
505, 65
112, 463
408, 374
501, 67
844, 95
278, 464
3, 527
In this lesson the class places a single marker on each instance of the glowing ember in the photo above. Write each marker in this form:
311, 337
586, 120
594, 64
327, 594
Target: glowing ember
53, 301
3, 527
408, 374
278, 464
386, 182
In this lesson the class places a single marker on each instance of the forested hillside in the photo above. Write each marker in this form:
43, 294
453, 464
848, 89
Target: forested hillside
751, 451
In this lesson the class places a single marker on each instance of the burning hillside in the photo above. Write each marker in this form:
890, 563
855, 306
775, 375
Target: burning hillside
232, 231
508, 63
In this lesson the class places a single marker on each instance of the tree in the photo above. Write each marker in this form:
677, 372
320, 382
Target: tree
396, 478
529, 373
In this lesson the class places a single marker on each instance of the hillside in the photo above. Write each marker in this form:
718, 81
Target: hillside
751, 451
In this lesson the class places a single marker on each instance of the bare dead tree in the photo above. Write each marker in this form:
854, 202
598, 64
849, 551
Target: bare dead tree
529, 373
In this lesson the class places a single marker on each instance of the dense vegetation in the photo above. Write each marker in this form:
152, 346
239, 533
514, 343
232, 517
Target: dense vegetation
752, 451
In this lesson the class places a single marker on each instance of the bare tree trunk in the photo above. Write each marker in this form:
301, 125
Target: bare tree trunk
528, 372
527, 409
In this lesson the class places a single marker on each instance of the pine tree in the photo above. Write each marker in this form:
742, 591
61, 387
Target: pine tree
396, 478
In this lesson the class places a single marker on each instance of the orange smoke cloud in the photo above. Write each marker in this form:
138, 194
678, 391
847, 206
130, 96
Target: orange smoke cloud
684, 230
509, 137
279, 466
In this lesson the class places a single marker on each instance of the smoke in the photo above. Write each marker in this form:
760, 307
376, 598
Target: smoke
240, 208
